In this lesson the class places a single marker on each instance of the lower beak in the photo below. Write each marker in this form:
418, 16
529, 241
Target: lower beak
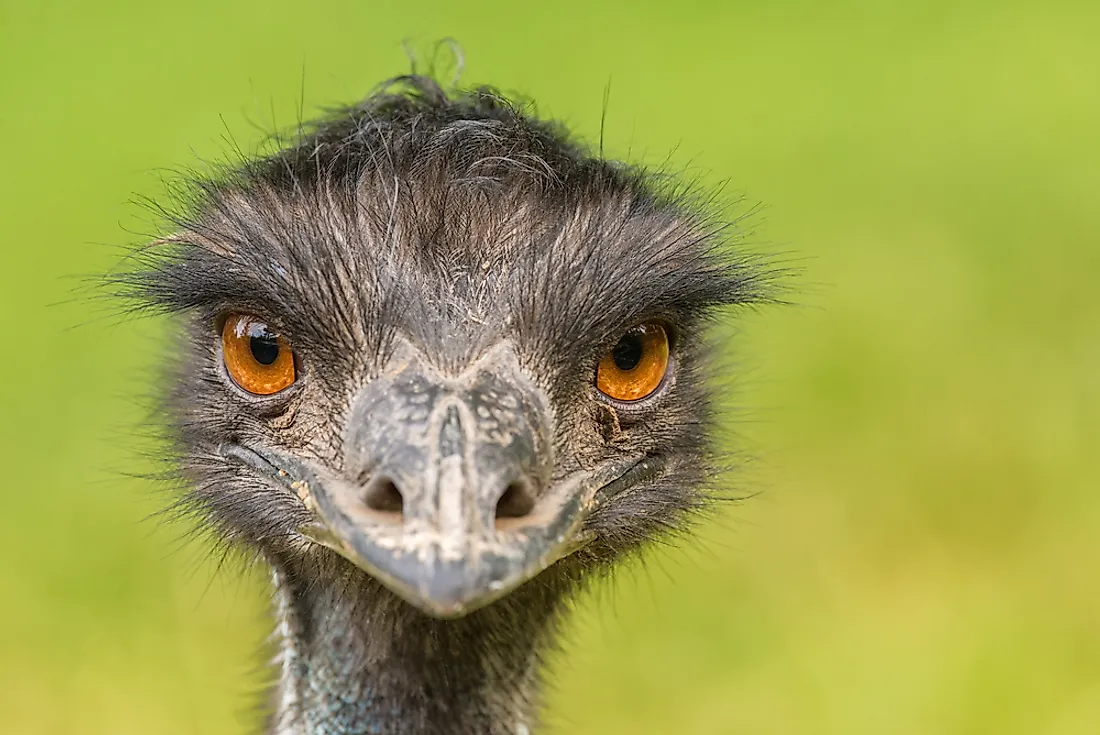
422, 566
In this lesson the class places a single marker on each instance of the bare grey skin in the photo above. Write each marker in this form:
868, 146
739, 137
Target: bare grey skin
435, 462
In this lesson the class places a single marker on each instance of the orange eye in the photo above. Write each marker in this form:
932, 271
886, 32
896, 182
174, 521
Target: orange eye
257, 359
636, 365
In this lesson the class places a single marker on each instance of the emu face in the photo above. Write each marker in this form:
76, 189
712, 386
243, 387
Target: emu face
442, 341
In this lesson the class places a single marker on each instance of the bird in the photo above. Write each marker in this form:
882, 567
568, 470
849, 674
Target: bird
438, 366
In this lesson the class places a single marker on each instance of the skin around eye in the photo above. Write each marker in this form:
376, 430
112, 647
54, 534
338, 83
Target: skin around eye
636, 365
258, 360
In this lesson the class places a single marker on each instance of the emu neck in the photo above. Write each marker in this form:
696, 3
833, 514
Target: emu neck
356, 660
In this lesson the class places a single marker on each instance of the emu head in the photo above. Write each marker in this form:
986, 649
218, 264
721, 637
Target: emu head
440, 339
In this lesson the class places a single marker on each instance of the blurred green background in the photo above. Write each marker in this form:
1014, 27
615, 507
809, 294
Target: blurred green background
925, 555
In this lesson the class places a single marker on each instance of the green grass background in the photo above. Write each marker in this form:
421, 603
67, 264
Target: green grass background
925, 555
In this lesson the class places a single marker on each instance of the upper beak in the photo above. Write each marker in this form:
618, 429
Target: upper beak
445, 495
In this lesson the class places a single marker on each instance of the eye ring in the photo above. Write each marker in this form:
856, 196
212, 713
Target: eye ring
635, 367
257, 359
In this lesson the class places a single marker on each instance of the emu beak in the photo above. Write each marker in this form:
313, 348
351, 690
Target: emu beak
446, 497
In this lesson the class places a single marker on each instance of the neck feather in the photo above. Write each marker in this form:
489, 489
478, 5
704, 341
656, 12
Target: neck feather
357, 660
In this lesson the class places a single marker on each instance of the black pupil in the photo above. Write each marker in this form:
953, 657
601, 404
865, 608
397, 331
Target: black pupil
265, 348
628, 353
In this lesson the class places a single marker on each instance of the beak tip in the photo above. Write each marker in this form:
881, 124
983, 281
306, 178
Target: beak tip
451, 590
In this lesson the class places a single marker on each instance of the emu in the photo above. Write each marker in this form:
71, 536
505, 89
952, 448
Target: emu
439, 366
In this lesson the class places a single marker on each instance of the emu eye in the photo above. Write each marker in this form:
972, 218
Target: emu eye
257, 359
635, 366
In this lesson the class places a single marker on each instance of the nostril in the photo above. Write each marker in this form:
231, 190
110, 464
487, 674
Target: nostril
517, 501
381, 494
